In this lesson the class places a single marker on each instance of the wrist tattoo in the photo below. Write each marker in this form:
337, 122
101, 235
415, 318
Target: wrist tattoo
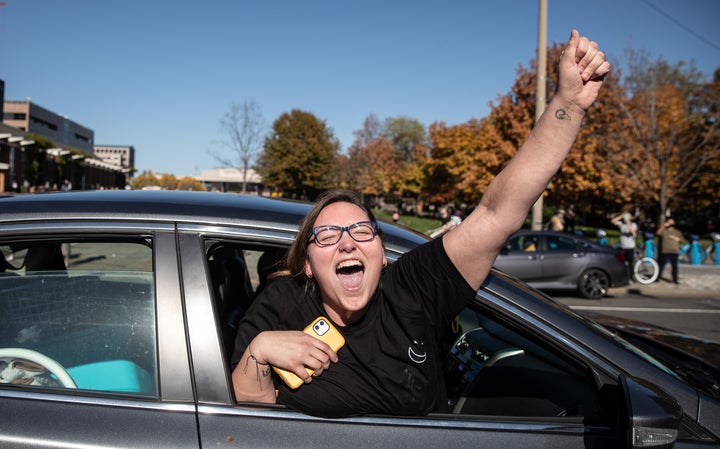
265, 371
561, 114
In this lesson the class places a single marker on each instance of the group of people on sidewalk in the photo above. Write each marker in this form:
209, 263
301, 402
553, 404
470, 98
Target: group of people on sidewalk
671, 239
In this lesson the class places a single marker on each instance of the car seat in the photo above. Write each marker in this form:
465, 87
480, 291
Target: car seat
232, 289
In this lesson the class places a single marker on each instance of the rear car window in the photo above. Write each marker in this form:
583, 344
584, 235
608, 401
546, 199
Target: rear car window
560, 243
78, 314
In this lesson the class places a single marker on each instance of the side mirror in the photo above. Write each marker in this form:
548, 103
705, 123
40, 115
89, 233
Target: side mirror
652, 417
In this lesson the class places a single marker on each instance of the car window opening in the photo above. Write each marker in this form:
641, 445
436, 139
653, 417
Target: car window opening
78, 314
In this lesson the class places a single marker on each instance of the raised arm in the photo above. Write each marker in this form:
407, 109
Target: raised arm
475, 243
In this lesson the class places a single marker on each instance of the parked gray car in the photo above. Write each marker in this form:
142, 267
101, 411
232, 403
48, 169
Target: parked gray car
117, 315
554, 261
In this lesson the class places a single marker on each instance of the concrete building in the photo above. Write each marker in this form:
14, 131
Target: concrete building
33, 119
117, 155
231, 180
66, 161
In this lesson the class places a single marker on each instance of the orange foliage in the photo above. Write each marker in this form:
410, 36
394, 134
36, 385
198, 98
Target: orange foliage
374, 167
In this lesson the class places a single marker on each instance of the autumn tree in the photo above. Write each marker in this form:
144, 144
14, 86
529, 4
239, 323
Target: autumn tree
145, 179
372, 129
243, 127
342, 173
673, 137
404, 133
409, 139
374, 167
464, 159
168, 181
385, 159
190, 183
371, 164
299, 154
703, 191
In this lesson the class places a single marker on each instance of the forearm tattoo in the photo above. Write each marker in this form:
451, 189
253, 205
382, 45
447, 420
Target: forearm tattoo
561, 114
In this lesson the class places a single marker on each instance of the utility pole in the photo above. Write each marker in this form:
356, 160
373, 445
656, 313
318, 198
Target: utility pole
541, 94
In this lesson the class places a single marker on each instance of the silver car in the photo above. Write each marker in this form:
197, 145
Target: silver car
550, 260
118, 312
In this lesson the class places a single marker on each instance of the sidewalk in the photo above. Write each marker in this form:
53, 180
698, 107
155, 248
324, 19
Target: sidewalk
694, 280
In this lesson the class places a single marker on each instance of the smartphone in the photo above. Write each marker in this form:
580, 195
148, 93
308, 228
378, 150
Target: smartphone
322, 329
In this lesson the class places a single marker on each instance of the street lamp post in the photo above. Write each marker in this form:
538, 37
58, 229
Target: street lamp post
541, 94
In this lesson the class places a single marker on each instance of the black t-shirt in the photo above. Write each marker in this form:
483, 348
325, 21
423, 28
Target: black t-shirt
391, 362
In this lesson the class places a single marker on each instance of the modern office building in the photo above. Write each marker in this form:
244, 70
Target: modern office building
65, 161
34, 119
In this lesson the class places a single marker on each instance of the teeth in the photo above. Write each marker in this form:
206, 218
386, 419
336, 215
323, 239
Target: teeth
349, 264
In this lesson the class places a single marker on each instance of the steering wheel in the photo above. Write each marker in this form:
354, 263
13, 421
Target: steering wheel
46, 362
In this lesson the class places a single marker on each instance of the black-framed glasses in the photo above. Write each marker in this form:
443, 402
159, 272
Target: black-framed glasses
328, 235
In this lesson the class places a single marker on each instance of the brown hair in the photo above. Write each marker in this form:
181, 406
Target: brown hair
299, 250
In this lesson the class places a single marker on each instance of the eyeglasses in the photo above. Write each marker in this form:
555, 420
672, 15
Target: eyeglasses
328, 235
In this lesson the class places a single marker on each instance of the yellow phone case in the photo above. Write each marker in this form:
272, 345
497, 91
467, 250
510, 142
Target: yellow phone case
322, 329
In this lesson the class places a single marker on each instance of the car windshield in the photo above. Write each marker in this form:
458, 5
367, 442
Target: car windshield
692, 370
604, 331
627, 345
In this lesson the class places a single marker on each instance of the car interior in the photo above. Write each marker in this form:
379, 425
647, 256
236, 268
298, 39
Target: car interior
494, 370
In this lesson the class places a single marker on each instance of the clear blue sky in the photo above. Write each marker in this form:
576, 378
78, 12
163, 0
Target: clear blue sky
159, 75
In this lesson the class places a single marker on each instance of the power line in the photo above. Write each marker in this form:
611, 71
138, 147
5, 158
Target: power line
681, 25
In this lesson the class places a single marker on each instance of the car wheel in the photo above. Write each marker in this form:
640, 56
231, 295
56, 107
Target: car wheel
593, 283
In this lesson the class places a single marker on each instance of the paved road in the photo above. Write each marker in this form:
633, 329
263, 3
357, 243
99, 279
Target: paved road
692, 307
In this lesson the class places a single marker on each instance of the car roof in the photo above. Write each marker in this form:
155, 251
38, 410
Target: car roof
213, 208
583, 237
149, 205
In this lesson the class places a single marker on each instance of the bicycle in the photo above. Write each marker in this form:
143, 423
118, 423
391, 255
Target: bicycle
645, 270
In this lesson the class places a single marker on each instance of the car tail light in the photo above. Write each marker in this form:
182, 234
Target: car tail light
619, 255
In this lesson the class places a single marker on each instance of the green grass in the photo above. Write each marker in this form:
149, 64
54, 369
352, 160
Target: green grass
424, 224
420, 224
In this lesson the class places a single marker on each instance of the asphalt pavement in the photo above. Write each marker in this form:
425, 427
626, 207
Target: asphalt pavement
693, 280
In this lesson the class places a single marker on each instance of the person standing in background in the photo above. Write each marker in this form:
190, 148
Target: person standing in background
557, 222
628, 237
570, 219
670, 241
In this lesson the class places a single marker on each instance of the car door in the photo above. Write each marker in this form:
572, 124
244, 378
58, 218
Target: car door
562, 259
521, 257
92, 341
222, 421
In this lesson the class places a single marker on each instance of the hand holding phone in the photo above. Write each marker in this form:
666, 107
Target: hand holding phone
322, 329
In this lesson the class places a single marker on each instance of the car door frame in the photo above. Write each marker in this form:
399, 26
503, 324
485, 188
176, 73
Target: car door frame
90, 418
223, 421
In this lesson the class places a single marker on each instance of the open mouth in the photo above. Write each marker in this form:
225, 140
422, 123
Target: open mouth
350, 274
